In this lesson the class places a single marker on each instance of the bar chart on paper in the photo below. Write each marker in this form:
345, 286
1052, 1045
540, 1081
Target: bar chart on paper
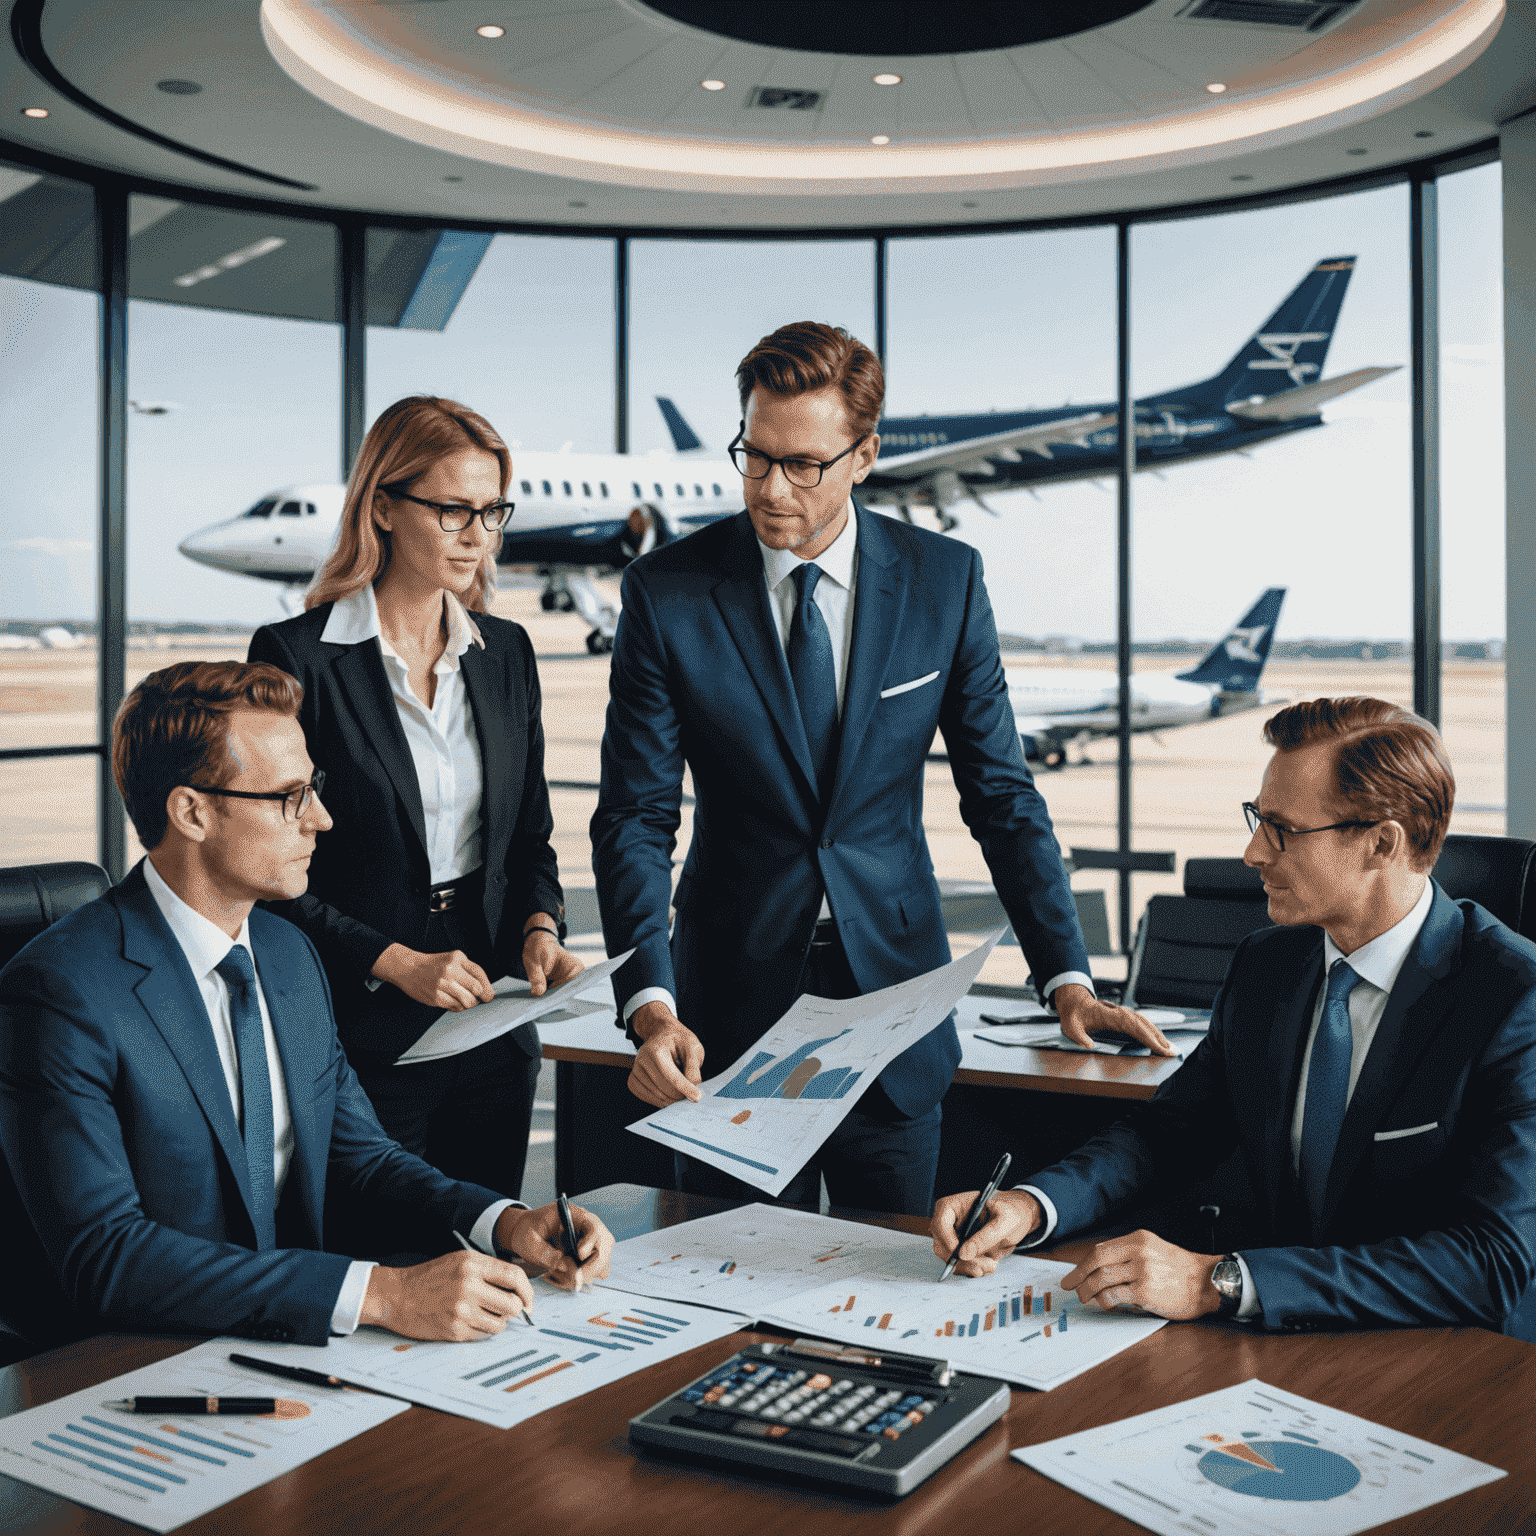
1017, 1325
577, 1343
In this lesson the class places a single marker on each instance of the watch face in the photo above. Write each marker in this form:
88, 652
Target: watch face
1227, 1277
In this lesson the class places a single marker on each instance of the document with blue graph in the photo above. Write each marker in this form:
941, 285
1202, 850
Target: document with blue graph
577, 1342
768, 1113
1017, 1325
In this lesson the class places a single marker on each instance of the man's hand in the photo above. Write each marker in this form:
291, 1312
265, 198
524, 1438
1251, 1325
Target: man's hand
449, 980
535, 1236
1082, 1014
1141, 1270
459, 1296
670, 1064
545, 963
1011, 1216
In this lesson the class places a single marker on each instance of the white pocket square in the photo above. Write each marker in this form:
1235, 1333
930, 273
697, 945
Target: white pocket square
1412, 1130
917, 682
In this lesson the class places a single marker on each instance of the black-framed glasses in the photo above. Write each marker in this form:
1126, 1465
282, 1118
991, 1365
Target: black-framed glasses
295, 801
805, 473
1278, 834
453, 517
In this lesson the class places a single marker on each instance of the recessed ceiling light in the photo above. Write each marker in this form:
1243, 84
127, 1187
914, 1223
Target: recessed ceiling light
967, 205
881, 138
1243, 177
453, 178
887, 79
490, 29
1424, 133
1357, 151
230, 262
575, 203
1215, 88
713, 85
178, 87
34, 111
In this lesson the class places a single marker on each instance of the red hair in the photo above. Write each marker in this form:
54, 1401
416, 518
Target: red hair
807, 355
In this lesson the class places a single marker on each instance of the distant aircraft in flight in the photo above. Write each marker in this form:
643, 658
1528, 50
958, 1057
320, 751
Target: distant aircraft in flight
1059, 709
1270, 389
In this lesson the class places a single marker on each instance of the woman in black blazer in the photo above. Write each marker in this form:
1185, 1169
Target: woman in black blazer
423, 712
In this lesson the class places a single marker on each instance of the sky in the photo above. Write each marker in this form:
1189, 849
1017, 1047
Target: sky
975, 322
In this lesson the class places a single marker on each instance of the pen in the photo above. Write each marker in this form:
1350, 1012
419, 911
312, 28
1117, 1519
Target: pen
247, 1406
469, 1247
287, 1372
569, 1225
978, 1210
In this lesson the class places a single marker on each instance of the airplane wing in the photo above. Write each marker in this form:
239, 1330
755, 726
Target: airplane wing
1307, 399
972, 455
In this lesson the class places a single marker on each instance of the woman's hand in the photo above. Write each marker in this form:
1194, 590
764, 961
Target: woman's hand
450, 980
545, 963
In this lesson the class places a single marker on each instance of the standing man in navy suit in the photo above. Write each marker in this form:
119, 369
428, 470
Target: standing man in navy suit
175, 1108
1373, 1058
797, 660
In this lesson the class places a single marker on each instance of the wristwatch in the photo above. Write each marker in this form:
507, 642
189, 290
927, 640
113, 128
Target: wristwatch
1227, 1277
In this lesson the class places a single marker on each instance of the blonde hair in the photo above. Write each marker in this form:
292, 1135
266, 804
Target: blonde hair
403, 444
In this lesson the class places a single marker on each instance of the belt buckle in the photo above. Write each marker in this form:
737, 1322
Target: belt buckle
441, 900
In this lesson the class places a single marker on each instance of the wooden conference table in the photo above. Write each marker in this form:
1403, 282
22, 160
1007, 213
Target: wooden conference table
570, 1471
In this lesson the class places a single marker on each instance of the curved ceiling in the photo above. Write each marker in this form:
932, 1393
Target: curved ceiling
189, 92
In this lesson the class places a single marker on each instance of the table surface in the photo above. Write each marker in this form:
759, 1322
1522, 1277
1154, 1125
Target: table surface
595, 1039
571, 1470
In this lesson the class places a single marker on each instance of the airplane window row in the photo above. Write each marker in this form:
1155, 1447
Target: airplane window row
527, 488
288, 509
586, 487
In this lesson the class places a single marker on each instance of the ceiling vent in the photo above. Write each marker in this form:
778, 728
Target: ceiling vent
1297, 15
778, 98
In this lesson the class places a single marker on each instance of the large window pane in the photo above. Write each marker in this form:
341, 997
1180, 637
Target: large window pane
1024, 326
1472, 493
1317, 502
48, 810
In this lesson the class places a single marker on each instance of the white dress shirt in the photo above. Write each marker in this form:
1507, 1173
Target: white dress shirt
205, 944
442, 739
1377, 964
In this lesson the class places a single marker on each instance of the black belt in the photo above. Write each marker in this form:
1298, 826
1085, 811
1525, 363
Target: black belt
825, 933
453, 893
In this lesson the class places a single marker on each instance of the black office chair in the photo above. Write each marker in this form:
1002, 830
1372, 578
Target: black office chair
1498, 873
32, 896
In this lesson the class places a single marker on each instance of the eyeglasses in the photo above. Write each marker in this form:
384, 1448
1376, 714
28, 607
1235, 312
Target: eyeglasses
1278, 834
454, 518
295, 801
805, 473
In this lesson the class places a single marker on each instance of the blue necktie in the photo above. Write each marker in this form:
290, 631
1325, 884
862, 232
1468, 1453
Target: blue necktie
239, 975
810, 666
1327, 1088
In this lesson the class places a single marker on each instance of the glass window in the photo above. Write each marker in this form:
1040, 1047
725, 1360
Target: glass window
1045, 303
586, 490
602, 485
659, 492
48, 809
1248, 484
1472, 493
527, 487
547, 491
567, 485
715, 489
636, 485
291, 509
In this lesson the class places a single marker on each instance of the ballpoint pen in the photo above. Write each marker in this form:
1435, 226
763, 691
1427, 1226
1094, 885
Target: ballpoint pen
246, 1407
571, 1245
469, 1247
978, 1210
287, 1372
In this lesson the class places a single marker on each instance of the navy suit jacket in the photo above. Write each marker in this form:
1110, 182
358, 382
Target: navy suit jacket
1433, 1227
121, 1141
700, 677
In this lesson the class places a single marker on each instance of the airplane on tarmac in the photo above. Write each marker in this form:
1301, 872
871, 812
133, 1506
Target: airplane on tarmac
1064, 707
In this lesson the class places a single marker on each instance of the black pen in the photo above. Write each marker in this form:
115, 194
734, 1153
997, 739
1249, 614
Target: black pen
287, 1372
978, 1211
469, 1247
570, 1231
249, 1407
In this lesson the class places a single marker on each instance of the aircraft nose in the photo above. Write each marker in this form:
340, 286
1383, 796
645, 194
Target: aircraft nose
211, 546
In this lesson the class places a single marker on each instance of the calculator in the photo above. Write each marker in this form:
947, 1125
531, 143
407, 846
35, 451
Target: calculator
878, 1422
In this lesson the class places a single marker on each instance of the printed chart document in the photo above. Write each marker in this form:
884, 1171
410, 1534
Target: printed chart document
1017, 1325
764, 1117
160, 1472
753, 1258
1251, 1461
514, 1004
578, 1342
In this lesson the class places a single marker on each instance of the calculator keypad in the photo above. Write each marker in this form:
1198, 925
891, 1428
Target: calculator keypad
780, 1396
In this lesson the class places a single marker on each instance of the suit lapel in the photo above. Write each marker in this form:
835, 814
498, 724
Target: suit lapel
1414, 1011
879, 596
1287, 1040
742, 598
501, 759
170, 996
366, 688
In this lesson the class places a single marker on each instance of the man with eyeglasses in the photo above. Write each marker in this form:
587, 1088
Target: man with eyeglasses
175, 1108
1372, 1058
798, 661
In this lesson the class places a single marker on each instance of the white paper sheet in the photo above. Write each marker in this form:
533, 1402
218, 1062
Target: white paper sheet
160, 1471
514, 1004
764, 1117
577, 1342
1252, 1461
1017, 1325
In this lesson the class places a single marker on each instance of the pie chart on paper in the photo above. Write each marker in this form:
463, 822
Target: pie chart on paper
1290, 1470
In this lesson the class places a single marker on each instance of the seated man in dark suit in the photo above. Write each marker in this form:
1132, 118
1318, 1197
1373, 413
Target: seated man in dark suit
174, 1106
1374, 1058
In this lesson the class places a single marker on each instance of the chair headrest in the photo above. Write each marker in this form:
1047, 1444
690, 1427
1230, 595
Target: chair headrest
1222, 880
32, 896
1495, 872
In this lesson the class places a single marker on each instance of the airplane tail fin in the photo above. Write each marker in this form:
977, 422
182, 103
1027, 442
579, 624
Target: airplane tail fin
1289, 349
684, 438
1235, 662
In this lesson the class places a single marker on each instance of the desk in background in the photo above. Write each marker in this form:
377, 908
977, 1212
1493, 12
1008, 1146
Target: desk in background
571, 1471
